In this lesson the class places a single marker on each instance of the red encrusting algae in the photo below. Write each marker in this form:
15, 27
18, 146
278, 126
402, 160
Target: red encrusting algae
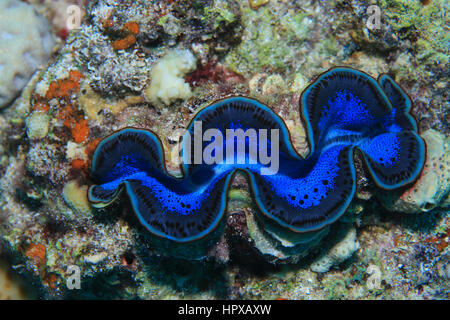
63, 88
130, 31
80, 131
78, 164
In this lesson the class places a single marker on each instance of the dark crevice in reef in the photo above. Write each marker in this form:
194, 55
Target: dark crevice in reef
29, 191
243, 253
187, 276
120, 209
55, 229
425, 222
116, 283
31, 203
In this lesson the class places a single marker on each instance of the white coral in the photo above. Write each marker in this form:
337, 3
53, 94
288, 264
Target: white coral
25, 44
167, 83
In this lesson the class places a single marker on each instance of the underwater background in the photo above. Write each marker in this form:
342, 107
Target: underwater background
74, 72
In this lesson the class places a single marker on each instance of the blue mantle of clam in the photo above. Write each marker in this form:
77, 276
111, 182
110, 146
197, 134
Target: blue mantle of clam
345, 112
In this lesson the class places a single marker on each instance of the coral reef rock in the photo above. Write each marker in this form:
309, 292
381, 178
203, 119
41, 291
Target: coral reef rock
340, 252
432, 187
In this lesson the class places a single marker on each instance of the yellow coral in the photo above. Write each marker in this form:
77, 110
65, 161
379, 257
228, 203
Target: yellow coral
76, 197
92, 103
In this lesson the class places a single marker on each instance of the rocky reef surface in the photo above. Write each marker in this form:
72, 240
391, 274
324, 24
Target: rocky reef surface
152, 64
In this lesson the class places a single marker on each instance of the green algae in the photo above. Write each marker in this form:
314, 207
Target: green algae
336, 289
269, 41
329, 46
239, 196
426, 23
163, 20
220, 13
170, 24
358, 275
